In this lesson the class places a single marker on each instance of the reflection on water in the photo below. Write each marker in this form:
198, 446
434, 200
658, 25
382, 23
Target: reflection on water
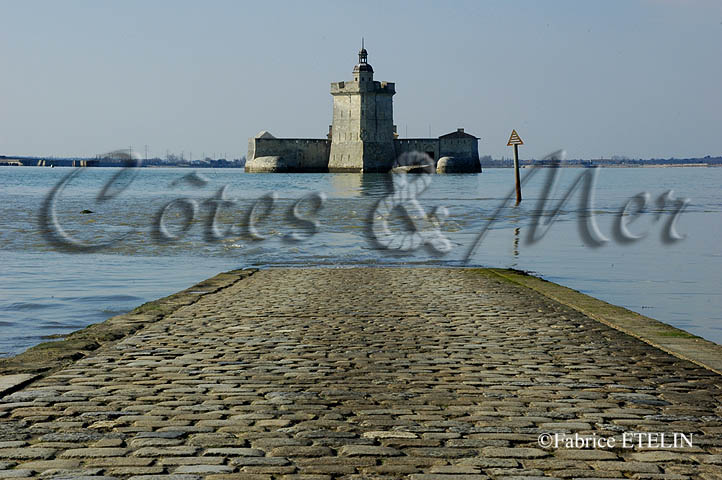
346, 185
351, 185
376, 184
44, 289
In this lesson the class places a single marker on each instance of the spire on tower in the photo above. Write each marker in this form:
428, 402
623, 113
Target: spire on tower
362, 54
363, 64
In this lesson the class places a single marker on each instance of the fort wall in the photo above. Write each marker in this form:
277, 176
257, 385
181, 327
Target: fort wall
466, 148
291, 155
429, 146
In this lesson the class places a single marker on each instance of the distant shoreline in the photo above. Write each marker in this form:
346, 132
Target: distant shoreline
708, 161
486, 162
18, 161
654, 165
4, 163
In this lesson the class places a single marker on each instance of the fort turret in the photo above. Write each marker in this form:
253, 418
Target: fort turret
362, 132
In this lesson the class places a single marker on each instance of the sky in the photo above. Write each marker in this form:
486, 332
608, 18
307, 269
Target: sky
636, 78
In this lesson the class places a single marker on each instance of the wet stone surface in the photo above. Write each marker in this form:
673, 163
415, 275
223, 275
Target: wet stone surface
364, 373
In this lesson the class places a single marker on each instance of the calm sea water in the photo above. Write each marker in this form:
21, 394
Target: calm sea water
48, 292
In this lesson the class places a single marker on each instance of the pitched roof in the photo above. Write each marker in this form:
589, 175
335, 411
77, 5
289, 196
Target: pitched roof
459, 133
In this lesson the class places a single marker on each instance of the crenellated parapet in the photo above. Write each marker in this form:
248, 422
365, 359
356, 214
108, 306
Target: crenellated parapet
348, 87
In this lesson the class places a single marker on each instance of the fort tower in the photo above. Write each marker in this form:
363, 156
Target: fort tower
362, 137
362, 131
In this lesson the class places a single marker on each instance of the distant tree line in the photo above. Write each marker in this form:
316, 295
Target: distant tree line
488, 162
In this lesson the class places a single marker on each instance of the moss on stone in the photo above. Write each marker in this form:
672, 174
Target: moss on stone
48, 357
677, 334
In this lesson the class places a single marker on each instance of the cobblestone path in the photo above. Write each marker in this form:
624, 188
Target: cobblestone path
364, 373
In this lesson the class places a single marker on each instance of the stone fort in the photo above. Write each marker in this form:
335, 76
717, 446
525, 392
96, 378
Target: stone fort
362, 137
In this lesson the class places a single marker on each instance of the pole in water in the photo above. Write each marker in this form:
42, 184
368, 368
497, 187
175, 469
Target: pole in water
516, 173
515, 141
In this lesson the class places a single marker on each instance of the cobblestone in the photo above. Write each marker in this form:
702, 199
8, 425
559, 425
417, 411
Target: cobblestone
363, 373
